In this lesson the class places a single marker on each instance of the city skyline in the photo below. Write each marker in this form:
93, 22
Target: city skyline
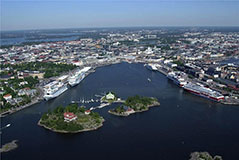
27, 15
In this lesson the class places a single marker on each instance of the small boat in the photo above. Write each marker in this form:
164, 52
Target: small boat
149, 79
8, 125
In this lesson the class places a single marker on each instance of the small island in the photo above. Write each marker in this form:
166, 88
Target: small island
9, 146
203, 156
71, 119
135, 104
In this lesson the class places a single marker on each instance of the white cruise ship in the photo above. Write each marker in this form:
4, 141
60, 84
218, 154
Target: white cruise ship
177, 78
55, 88
200, 90
78, 76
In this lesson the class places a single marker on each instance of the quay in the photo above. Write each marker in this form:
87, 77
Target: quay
163, 69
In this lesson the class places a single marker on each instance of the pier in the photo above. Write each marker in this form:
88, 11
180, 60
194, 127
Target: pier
101, 104
106, 104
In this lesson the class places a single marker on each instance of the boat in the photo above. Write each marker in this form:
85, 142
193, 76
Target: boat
78, 76
152, 67
200, 90
54, 89
178, 78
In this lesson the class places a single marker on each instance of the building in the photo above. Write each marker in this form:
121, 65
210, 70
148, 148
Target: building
39, 75
7, 97
23, 91
27, 91
87, 112
110, 96
130, 111
23, 83
69, 116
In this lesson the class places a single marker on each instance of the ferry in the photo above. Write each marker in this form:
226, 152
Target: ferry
177, 78
55, 88
78, 76
200, 90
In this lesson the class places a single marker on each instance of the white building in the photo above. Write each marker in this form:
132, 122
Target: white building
110, 96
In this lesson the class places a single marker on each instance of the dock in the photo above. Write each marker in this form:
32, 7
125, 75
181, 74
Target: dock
101, 104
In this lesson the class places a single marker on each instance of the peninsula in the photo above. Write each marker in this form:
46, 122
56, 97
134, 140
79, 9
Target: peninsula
71, 119
134, 104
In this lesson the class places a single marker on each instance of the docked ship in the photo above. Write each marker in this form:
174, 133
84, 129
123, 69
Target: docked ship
200, 90
78, 76
177, 78
152, 67
55, 88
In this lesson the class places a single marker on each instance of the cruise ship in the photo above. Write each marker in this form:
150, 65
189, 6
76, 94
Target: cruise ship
55, 88
152, 67
78, 76
200, 90
177, 78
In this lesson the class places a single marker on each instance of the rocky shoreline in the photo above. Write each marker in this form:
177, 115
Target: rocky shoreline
9, 146
204, 156
127, 114
62, 131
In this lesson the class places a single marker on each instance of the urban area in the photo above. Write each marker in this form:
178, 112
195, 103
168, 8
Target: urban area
198, 60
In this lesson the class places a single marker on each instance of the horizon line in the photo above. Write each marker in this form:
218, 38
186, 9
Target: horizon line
120, 27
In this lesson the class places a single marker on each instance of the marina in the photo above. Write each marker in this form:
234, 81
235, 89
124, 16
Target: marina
101, 105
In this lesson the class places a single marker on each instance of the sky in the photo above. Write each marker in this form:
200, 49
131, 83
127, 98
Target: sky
52, 14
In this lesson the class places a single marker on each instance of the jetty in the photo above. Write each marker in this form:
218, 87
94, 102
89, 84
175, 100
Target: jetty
102, 105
